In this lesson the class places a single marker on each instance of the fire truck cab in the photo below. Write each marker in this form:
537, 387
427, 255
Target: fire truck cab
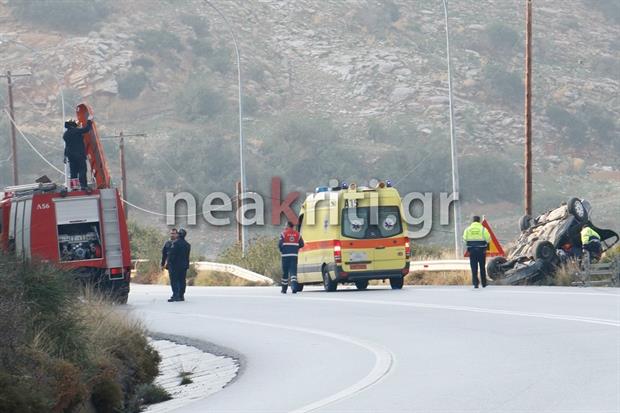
82, 231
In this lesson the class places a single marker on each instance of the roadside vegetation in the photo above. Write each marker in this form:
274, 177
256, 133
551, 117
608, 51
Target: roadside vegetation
65, 349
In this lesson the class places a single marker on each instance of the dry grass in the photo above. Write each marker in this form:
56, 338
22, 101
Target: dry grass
439, 278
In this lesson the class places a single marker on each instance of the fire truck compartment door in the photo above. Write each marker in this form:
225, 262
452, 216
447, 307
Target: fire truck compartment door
76, 210
20, 230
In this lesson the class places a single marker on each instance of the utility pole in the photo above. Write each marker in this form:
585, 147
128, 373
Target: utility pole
9, 79
528, 108
121, 149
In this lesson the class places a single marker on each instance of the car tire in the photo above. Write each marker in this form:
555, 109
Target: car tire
300, 288
545, 251
361, 284
525, 222
328, 284
494, 268
397, 283
577, 209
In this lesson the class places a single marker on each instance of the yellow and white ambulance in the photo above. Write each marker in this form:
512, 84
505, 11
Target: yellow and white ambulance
353, 235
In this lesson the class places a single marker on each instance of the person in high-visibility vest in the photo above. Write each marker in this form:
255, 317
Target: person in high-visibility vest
477, 239
591, 241
289, 244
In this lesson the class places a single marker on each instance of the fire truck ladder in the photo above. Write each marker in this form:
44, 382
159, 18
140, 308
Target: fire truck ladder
111, 231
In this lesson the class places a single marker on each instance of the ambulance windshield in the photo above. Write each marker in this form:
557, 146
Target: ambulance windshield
360, 224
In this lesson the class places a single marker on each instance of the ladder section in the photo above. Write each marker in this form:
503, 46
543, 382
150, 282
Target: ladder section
111, 231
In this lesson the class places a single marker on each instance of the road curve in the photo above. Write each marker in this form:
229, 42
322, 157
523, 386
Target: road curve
421, 349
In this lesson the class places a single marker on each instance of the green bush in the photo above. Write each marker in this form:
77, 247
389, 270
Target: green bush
570, 125
146, 243
377, 17
199, 24
201, 47
131, 84
505, 86
490, 178
200, 99
159, 42
220, 60
262, 257
144, 62
65, 15
501, 38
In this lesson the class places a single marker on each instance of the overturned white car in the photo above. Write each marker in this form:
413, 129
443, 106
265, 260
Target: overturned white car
545, 241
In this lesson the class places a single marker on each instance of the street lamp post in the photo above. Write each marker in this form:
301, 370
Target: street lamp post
455, 168
244, 229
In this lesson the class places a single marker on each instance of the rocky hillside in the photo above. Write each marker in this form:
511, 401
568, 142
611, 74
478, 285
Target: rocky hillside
375, 70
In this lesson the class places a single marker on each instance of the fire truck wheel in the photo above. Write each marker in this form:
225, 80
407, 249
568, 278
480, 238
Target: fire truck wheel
397, 283
328, 284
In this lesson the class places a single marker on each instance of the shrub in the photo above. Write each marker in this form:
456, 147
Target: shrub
501, 38
262, 257
199, 24
160, 42
146, 243
566, 122
201, 47
378, 17
65, 15
505, 86
144, 62
131, 84
220, 60
490, 179
73, 349
200, 99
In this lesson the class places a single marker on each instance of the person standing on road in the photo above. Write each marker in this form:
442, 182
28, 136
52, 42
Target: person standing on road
164, 253
178, 264
289, 245
477, 240
75, 150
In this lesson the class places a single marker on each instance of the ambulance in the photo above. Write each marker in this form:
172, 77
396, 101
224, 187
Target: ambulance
353, 235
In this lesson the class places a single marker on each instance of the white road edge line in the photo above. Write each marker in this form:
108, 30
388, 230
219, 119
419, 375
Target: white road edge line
548, 316
384, 359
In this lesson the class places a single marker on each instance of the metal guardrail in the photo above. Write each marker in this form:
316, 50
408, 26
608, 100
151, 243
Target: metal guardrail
439, 265
228, 268
234, 270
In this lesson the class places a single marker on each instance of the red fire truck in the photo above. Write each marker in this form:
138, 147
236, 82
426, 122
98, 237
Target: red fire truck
83, 231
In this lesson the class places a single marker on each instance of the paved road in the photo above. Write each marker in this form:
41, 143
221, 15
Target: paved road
421, 349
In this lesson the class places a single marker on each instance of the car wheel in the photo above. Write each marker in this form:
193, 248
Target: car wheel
494, 268
328, 284
545, 251
525, 222
397, 283
300, 287
577, 209
361, 284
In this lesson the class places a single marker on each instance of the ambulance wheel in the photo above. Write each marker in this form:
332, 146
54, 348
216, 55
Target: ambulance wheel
397, 283
328, 284
361, 284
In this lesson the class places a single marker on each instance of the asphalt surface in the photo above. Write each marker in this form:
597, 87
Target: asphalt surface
421, 349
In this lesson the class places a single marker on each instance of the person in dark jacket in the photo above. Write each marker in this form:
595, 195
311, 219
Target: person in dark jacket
289, 245
164, 254
166, 248
75, 151
178, 264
